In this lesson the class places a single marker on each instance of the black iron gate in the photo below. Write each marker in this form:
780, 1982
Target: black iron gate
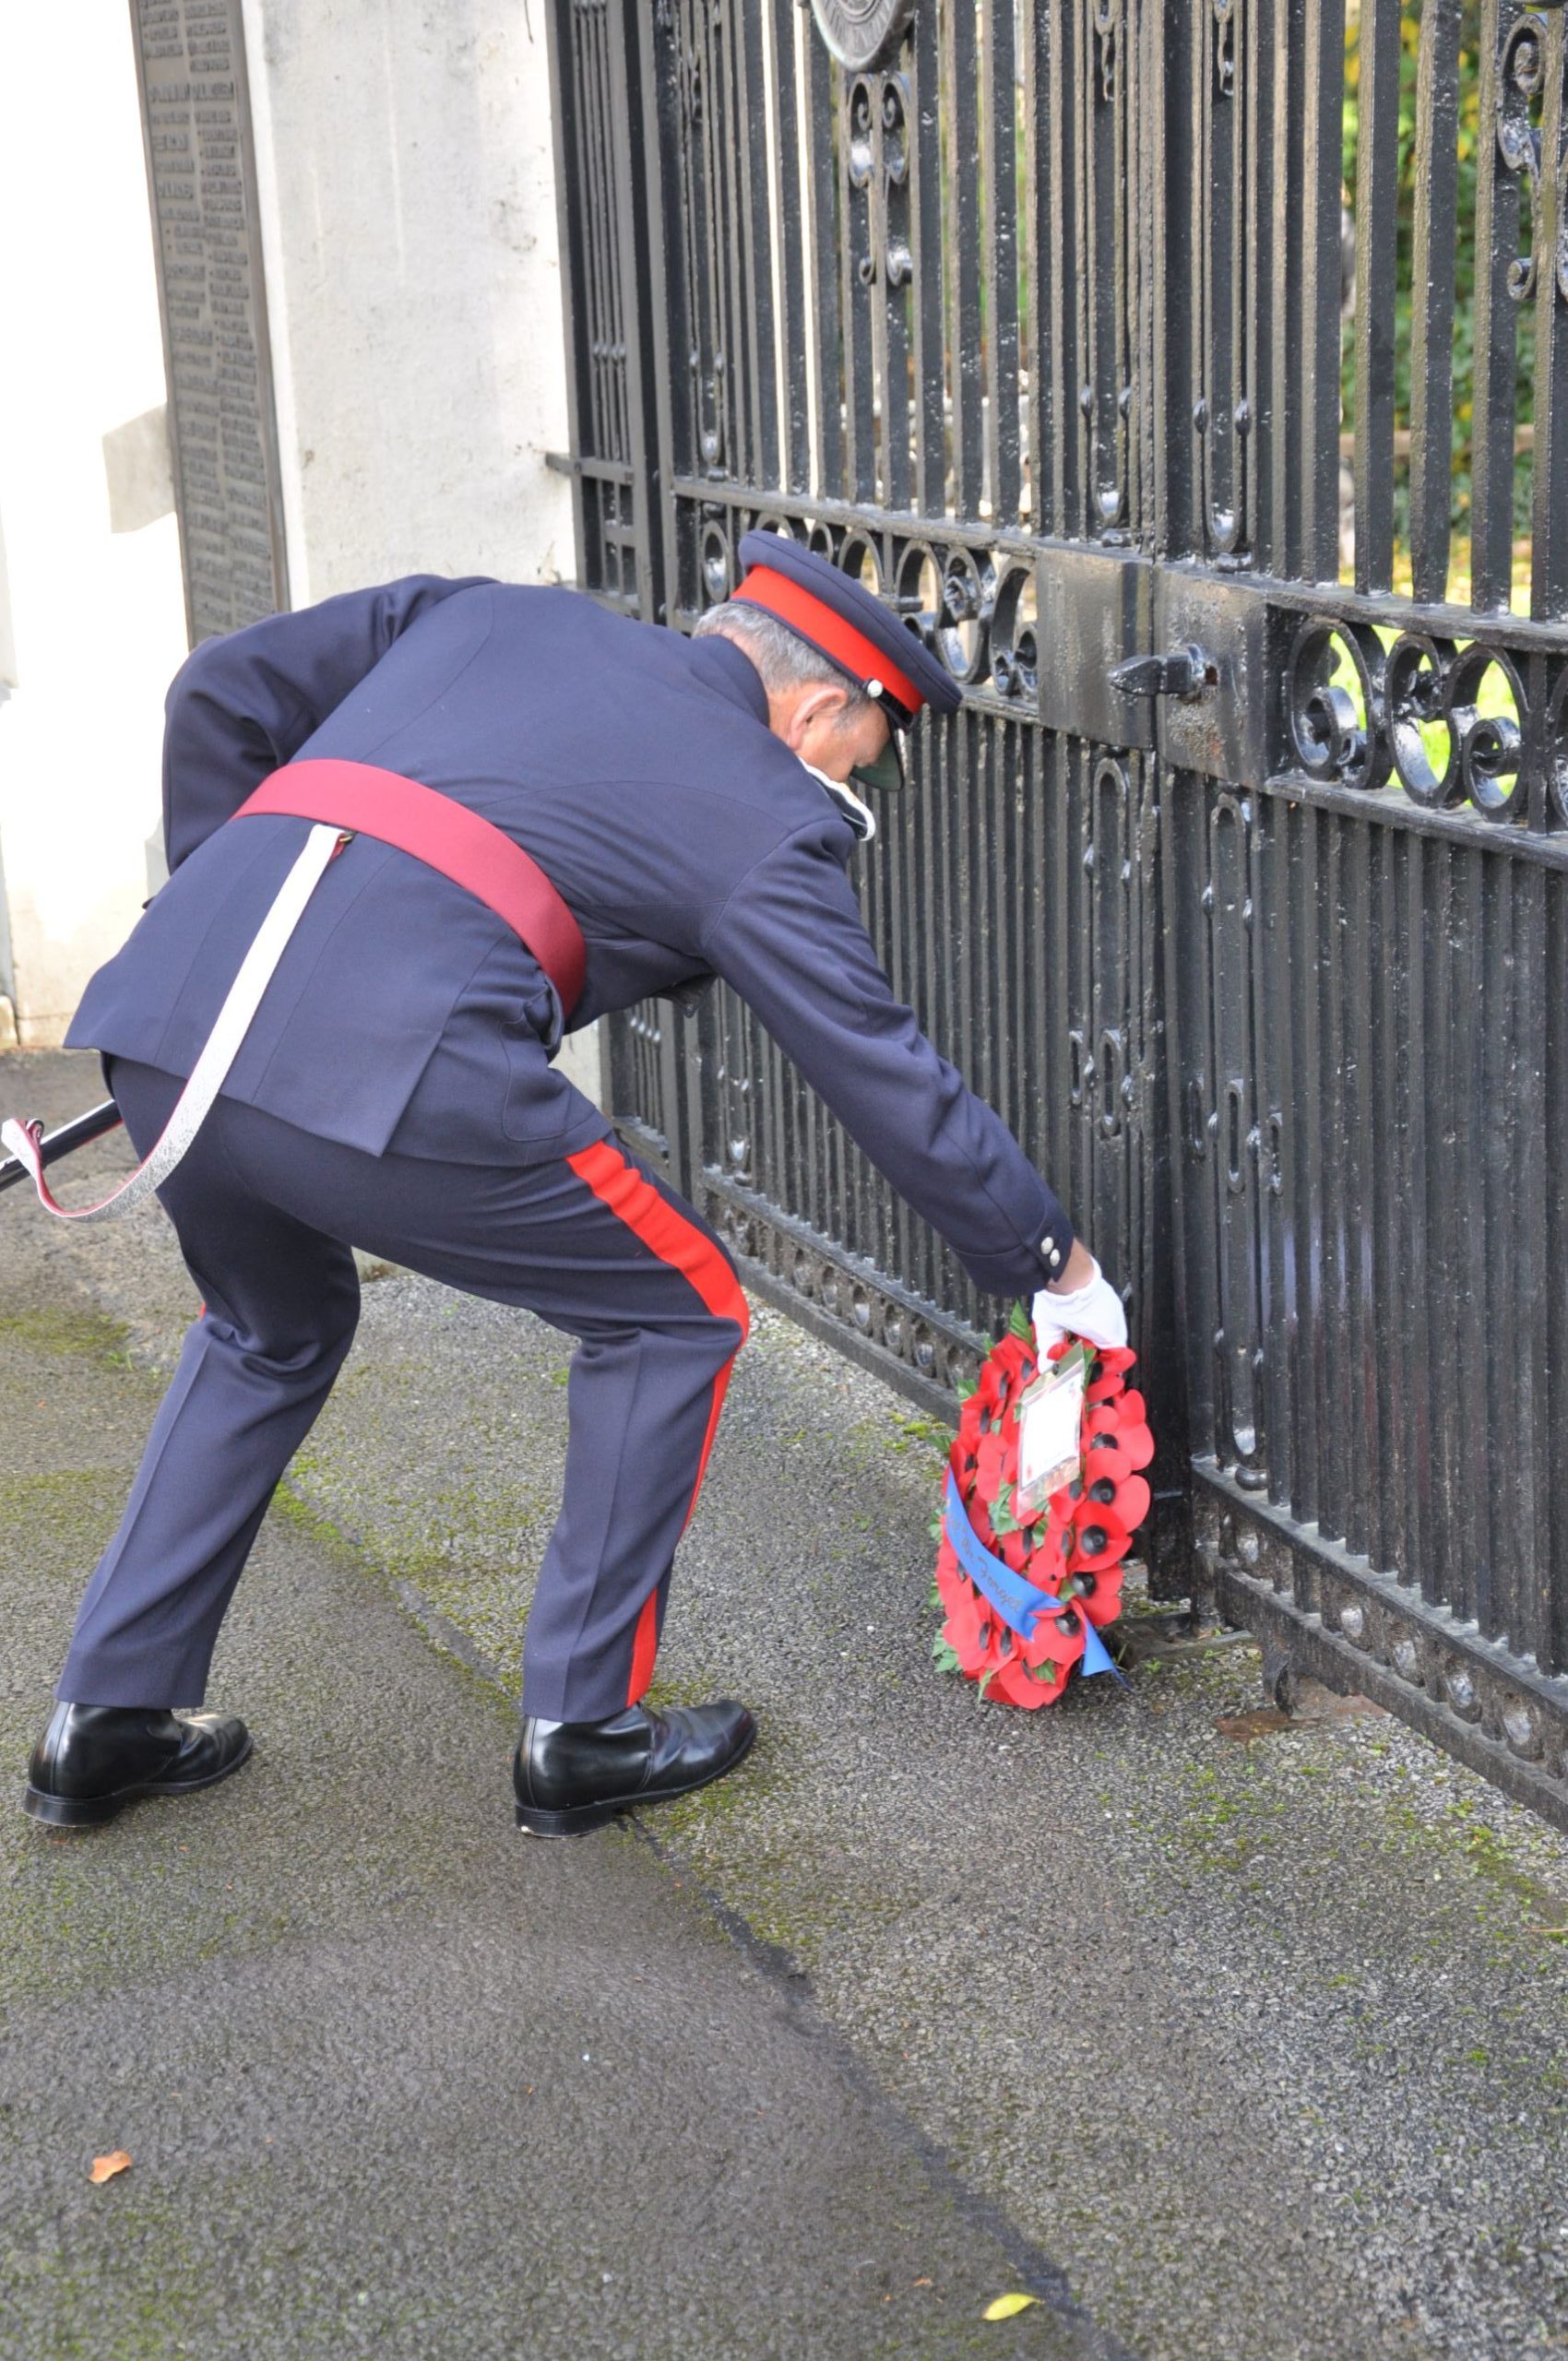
1193, 378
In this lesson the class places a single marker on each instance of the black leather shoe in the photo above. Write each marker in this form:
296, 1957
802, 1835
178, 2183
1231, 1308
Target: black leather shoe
571, 1776
94, 1759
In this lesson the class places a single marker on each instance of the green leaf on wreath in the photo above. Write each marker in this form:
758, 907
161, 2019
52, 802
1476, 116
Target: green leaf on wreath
1020, 1324
945, 1656
965, 1387
983, 1683
1044, 1673
1001, 1511
936, 1595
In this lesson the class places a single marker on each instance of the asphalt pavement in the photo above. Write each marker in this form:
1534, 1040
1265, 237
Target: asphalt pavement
1261, 2041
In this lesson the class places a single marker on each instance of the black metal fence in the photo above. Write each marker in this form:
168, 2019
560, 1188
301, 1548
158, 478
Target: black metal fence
1232, 337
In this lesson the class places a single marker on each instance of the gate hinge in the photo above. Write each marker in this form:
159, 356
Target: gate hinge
1188, 671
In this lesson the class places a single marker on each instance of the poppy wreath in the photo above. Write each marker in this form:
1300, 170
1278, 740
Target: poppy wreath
1024, 1601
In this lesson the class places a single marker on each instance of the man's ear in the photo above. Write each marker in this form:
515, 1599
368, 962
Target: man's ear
823, 701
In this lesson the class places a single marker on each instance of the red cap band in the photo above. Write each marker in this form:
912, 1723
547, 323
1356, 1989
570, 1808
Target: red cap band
827, 629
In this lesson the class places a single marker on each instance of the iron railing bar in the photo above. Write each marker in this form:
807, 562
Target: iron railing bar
790, 210
1037, 232
959, 100
1495, 334
875, 300
613, 68
608, 66
1280, 430
828, 326
691, 333
1317, 392
1532, 1153
999, 170
568, 148
1389, 1307
658, 190
1470, 1590
1065, 229
717, 352
1120, 437
1312, 1395
1549, 516
929, 494
1553, 1344
757, 220
1276, 1115
639, 279
1343, 1433
1433, 263
1377, 224
896, 141
597, 220
1099, 284
854, 241
605, 313
1409, 967
1259, 324
734, 180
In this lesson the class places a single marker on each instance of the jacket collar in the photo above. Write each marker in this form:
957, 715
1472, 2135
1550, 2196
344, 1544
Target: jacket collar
860, 816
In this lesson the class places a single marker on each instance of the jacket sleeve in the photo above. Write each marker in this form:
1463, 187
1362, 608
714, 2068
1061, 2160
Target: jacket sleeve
244, 704
792, 941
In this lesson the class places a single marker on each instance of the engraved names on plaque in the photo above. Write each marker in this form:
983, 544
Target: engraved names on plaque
201, 169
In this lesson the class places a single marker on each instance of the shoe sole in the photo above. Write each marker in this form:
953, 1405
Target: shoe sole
91, 1811
581, 1820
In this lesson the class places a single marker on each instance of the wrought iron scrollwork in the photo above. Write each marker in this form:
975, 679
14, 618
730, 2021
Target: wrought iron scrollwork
1557, 747
1014, 646
968, 603
1451, 723
878, 162
1338, 723
1453, 737
1520, 87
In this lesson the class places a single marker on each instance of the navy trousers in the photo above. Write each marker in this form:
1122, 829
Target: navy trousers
594, 1243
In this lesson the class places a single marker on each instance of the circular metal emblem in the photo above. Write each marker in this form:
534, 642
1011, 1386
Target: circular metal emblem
861, 32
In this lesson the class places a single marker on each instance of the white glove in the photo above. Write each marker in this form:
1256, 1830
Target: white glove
1094, 1311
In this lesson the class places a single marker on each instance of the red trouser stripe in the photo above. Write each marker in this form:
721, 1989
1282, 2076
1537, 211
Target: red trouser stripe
690, 1251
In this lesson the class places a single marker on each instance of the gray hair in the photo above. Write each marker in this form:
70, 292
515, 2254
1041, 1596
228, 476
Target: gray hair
784, 659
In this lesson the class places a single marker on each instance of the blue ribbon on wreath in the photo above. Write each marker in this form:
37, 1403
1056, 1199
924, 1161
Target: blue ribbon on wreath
1018, 1603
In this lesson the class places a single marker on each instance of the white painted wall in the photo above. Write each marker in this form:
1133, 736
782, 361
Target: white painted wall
408, 195
92, 618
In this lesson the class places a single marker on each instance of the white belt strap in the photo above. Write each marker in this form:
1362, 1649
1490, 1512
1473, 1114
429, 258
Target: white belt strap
222, 1046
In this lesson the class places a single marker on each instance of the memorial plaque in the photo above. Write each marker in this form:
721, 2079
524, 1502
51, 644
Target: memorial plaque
222, 428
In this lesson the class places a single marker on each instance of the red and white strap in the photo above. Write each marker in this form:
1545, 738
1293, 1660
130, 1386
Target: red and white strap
212, 1069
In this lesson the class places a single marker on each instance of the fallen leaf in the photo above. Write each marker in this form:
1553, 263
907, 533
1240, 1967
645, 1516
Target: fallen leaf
106, 2167
1005, 2307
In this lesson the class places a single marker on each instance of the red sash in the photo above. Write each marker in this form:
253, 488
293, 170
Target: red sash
445, 836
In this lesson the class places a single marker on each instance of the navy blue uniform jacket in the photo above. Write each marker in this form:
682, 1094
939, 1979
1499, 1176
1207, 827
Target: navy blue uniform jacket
638, 769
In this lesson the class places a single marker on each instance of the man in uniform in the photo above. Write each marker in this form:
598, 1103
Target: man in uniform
692, 803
